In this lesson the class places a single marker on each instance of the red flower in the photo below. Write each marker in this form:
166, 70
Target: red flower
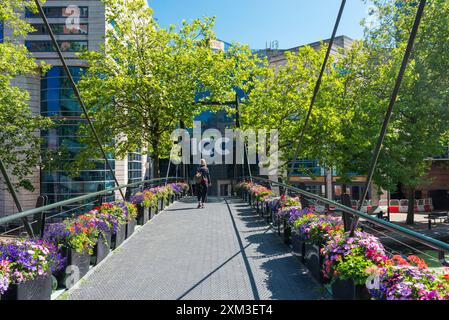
417, 261
399, 260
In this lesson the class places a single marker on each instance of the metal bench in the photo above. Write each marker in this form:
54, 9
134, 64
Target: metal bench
437, 216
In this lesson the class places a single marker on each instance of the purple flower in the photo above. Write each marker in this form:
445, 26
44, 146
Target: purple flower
4, 284
31, 259
56, 233
138, 198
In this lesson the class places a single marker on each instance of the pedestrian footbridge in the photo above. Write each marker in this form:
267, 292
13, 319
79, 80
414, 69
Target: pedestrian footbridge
224, 251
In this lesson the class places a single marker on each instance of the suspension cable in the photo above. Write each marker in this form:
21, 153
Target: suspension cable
317, 88
245, 145
76, 92
389, 112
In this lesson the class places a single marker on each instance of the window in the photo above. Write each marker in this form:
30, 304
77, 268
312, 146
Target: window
134, 167
61, 28
60, 12
1, 31
306, 167
47, 46
57, 97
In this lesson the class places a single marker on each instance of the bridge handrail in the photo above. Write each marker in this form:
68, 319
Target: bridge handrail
30, 212
416, 236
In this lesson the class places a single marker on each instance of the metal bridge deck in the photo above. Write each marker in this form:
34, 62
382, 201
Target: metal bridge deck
221, 252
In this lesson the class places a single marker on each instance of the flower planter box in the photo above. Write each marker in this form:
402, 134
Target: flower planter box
286, 232
101, 249
274, 219
79, 260
118, 238
279, 225
160, 204
298, 247
130, 227
347, 290
37, 289
143, 215
313, 261
269, 213
153, 212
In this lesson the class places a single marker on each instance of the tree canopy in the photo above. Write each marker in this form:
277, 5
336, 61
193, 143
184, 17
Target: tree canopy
148, 79
352, 102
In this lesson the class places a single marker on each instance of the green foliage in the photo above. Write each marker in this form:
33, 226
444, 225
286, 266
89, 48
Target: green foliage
419, 125
11, 13
132, 211
145, 82
354, 95
353, 267
19, 137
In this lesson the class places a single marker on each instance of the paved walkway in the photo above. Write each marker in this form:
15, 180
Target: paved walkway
222, 252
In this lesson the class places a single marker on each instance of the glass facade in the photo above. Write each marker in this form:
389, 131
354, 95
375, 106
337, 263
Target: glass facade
305, 168
60, 12
58, 102
57, 97
61, 28
65, 46
134, 167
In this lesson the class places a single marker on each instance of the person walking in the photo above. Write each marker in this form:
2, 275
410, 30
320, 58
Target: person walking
202, 179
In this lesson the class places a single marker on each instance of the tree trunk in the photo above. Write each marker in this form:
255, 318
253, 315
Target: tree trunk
156, 170
346, 201
411, 206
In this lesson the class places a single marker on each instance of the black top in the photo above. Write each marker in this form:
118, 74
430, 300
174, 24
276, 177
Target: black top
205, 173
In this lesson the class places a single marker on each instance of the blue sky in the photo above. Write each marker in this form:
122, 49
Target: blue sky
256, 22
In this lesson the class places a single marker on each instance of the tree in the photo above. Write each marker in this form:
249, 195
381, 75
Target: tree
419, 126
281, 99
19, 136
352, 102
150, 78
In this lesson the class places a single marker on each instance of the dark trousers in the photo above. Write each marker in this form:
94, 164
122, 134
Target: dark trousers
201, 192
